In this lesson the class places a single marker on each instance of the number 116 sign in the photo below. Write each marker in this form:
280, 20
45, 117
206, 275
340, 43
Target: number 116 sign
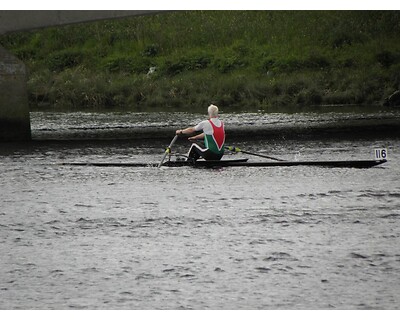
380, 154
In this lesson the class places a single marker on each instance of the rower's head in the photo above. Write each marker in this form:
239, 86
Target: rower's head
213, 111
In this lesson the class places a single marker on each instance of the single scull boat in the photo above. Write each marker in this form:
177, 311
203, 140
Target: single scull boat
243, 162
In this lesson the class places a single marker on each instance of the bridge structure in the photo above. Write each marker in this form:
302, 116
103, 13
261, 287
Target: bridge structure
14, 108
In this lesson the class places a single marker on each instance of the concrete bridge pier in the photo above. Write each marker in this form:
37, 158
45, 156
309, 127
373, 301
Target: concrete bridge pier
14, 109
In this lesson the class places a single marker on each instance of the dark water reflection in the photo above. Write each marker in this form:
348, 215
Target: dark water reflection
248, 238
112, 125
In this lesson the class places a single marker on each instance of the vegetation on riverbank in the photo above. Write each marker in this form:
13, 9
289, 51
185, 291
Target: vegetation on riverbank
240, 60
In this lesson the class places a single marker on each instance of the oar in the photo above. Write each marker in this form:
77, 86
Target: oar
168, 150
234, 149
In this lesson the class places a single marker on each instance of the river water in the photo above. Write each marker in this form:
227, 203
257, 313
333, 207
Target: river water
184, 238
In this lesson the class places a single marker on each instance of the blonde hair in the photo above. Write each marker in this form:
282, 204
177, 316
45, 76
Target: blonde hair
212, 111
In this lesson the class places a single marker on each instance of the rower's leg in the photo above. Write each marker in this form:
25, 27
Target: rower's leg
195, 152
209, 155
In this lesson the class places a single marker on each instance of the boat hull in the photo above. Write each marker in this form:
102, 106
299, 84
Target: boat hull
240, 163
228, 163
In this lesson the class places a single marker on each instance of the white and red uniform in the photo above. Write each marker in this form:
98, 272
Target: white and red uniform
214, 140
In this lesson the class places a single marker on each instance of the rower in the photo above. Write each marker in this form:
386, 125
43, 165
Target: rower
213, 133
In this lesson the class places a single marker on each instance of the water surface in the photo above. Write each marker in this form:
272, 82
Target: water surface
184, 238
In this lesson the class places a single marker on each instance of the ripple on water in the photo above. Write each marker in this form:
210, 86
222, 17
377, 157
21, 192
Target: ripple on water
258, 238
277, 256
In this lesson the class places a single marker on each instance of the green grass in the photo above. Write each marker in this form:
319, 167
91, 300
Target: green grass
240, 60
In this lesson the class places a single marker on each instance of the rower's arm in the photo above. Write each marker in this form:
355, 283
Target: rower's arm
198, 137
187, 131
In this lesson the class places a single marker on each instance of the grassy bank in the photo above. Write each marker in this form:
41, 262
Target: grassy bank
241, 60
